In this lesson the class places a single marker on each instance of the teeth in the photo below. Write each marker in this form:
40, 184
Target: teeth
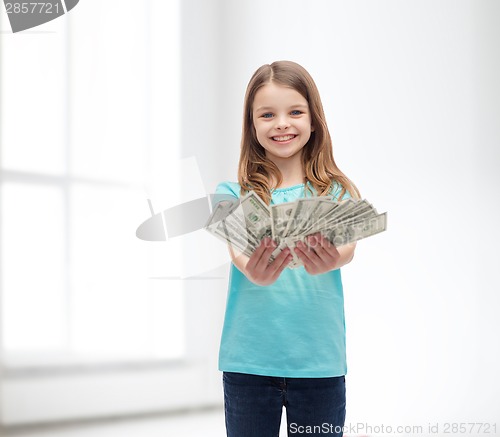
285, 138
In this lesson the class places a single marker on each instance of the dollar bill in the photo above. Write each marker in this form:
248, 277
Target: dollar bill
281, 215
256, 216
350, 232
243, 223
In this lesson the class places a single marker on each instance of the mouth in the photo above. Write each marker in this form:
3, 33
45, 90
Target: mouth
283, 139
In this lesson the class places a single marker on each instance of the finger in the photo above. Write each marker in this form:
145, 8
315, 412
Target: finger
331, 254
303, 257
263, 262
285, 262
328, 245
325, 251
315, 261
312, 262
255, 257
305, 253
269, 247
276, 264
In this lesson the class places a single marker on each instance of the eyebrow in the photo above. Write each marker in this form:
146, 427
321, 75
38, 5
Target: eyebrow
270, 107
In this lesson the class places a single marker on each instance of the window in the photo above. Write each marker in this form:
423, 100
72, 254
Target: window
85, 136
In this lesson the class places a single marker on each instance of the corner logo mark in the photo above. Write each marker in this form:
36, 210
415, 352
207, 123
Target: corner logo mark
25, 15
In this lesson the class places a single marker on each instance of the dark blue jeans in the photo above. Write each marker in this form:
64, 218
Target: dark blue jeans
253, 405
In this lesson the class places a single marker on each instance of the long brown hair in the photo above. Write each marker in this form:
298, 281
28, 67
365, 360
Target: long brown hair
255, 169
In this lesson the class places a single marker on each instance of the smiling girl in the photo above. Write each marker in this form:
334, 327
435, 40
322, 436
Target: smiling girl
283, 341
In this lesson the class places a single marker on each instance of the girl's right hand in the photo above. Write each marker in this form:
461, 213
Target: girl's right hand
259, 270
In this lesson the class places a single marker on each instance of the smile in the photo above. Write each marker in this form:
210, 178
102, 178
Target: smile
284, 138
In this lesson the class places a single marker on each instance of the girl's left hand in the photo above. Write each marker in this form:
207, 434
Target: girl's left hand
319, 255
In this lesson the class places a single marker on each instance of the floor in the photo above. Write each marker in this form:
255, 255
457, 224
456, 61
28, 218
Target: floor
201, 423
207, 423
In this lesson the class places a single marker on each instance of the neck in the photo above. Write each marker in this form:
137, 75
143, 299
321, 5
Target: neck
291, 170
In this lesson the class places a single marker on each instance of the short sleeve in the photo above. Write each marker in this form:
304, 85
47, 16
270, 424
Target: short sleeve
225, 191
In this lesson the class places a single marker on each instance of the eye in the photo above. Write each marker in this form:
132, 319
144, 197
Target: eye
296, 112
266, 115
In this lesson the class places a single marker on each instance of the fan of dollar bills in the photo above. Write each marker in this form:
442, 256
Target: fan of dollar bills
243, 223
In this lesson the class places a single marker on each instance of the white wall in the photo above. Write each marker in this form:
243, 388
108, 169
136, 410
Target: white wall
411, 94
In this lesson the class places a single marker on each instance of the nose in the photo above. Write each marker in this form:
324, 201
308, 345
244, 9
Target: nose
282, 123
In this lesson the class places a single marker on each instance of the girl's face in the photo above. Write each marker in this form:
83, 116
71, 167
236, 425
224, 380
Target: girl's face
282, 120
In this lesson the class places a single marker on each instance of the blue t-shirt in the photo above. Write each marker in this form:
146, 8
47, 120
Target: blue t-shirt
294, 327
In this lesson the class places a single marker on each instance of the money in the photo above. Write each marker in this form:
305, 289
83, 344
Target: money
244, 222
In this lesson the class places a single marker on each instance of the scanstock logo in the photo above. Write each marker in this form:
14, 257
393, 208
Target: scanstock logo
27, 14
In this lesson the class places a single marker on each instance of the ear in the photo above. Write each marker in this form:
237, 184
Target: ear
312, 128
